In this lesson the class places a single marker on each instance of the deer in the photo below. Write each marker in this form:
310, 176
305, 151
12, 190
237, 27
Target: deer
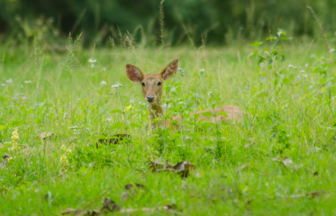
152, 92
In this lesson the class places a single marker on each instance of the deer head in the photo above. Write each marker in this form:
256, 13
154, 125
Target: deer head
152, 83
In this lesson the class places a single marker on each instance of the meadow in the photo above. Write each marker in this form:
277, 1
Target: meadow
279, 160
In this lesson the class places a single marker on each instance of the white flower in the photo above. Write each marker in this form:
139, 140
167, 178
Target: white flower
78, 99
332, 50
103, 82
92, 60
202, 70
312, 86
117, 85
302, 71
104, 69
9, 81
182, 71
304, 75
306, 65
92, 65
28, 81
291, 66
3, 85
262, 64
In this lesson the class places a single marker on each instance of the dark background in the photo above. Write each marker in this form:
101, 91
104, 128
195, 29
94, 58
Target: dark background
213, 21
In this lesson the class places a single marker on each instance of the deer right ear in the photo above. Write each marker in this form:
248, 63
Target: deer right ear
134, 73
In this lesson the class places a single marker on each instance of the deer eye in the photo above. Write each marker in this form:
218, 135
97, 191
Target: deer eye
143, 84
159, 83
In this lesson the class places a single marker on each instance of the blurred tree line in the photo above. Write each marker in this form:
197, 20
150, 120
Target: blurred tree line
195, 21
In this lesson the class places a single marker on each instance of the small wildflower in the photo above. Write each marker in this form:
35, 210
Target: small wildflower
117, 85
312, 86
92, 65
27, 82
68, 151
202, 70
64, 160
9, 81
103, 82
291, 66
14, 147
92, 60
104, 69
306, 65
262, 64
63, 147
304, 75
182, 71
302, 71
15, 135
332, 50
78, 99
14, 139
3, 85
14, 98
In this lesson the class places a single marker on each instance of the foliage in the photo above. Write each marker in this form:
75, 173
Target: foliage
194, 21
279, 159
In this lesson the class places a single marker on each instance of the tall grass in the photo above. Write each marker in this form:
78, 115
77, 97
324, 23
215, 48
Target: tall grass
289, 113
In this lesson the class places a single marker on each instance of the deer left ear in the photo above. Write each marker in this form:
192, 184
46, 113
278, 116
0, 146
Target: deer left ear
169, 70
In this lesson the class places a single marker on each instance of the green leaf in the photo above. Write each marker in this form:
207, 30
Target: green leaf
206, 113
207, 124
270, 38
135, 125
221, 113
254, 54
117, 126
278, 47
285, 38
256, 43
116, 111
2, 127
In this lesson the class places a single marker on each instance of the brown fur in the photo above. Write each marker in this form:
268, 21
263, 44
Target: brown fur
152, 87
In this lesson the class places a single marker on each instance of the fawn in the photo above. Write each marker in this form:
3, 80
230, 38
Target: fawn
152, 91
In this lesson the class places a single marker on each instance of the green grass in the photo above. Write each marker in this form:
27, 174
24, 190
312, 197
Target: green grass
285, 116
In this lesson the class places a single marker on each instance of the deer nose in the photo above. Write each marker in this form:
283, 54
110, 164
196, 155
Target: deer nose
150, 98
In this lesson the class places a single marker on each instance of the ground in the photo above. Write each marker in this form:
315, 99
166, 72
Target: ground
279, 160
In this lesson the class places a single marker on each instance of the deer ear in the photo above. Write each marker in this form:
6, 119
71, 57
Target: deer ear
134, 73
169, 70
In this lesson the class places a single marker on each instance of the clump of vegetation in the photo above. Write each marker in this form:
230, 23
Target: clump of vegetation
75, 138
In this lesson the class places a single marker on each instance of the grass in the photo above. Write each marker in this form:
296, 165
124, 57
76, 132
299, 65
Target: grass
288, 114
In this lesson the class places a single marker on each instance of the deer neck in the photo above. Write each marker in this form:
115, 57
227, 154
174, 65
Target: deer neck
155, 111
